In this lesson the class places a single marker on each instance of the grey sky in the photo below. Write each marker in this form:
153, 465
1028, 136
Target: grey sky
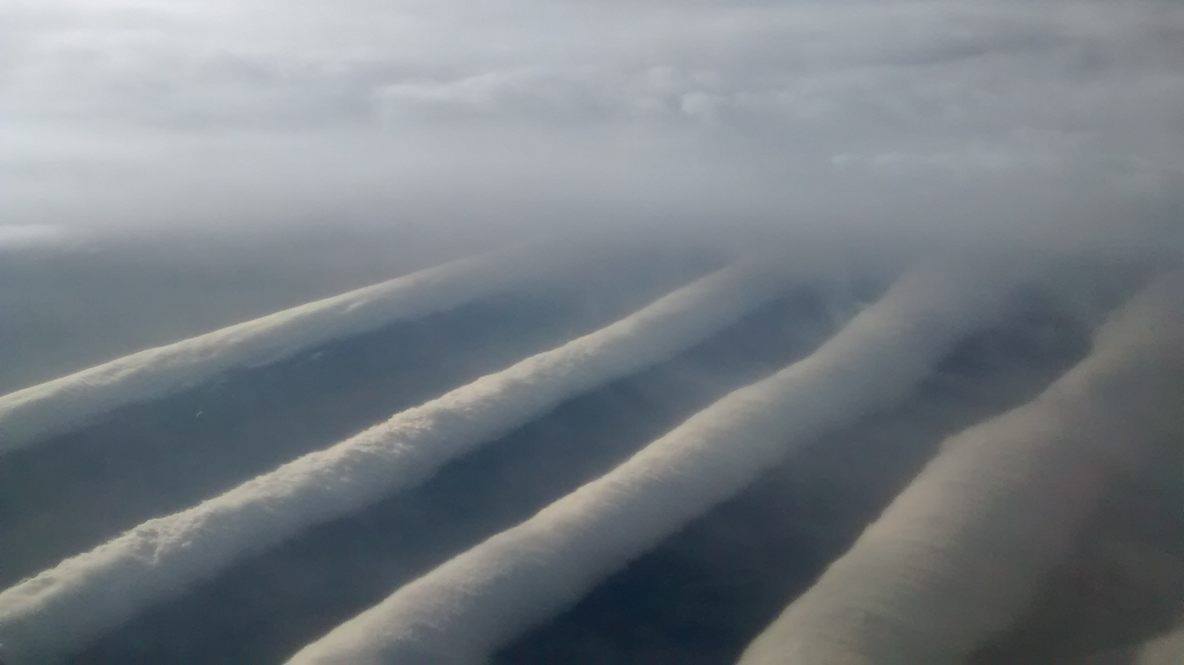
926, 115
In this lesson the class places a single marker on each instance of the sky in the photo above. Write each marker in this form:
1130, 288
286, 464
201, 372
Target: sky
904, 118
168, 168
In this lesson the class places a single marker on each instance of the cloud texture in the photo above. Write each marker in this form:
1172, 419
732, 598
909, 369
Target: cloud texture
936, 118
955, 557
36, 412
466, 608
61, 608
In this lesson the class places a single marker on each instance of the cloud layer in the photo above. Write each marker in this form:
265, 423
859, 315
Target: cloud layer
467, 607
267, 142
955, 557
60, 609
34, 413
800, 114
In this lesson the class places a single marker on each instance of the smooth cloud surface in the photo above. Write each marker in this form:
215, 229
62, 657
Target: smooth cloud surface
62, 608
955, 557
34, 413
465, 609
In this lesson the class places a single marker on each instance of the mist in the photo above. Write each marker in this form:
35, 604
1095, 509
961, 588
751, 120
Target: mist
440, 329
285, 145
